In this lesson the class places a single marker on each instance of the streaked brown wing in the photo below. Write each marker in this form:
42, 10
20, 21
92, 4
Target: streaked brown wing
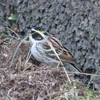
66, 55
55, 42
62, 51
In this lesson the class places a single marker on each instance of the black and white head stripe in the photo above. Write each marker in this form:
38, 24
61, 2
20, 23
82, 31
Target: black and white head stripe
38, 28
37, 36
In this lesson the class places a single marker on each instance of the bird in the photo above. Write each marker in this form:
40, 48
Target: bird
40, 41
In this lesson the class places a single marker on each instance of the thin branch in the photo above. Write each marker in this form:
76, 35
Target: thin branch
13, 31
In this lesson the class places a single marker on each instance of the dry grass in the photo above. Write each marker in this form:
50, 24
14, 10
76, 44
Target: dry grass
32, 82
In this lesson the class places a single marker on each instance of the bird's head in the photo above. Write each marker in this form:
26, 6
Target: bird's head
37, 33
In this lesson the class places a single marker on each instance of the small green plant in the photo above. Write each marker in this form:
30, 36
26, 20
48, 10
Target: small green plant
12, 17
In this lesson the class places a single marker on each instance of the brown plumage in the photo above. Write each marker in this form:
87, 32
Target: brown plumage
42, 51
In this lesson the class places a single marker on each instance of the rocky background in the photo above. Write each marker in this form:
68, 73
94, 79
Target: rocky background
75, 22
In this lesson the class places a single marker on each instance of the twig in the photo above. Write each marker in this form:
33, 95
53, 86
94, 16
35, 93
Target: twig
56, 93
3, 40
53, 49
13, 31
83, 73
92, 77
67, 75
27, 59
8, 94
10, 71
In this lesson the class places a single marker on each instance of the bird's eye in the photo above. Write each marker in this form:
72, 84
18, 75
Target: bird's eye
37, 36
46, 33
32, 31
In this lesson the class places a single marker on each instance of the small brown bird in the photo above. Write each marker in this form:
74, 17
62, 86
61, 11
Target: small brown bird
40, 48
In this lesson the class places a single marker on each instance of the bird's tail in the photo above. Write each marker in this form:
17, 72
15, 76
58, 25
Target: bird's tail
75, 65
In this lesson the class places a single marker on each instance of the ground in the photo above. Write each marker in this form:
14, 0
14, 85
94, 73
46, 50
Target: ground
23, 79
76, 23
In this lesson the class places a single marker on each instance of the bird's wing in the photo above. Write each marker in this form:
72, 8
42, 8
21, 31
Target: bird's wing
62, 51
